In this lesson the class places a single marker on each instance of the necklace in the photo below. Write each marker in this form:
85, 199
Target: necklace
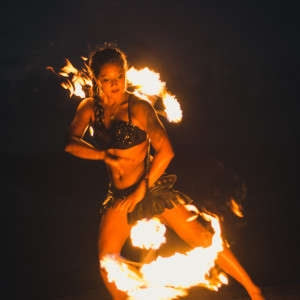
112, 117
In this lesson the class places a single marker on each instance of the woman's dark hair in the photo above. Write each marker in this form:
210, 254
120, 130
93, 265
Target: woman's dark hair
108, 53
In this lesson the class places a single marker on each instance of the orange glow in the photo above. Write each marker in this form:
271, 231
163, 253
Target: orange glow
75, 80
236, 208
145, 81
169, 277
148, 234
173, 110
91, 131
147, 85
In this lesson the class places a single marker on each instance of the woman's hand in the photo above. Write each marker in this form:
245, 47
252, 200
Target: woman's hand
128, 204
117, 161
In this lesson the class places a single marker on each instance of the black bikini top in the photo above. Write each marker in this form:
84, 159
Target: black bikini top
120, 135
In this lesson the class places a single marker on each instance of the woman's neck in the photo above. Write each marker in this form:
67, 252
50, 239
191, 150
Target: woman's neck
111, 102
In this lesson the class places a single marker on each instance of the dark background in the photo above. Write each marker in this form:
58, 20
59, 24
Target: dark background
233, 65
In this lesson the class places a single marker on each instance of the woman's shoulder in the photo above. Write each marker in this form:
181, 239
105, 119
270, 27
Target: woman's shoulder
85, 106
139, 105
142, 113
86, 103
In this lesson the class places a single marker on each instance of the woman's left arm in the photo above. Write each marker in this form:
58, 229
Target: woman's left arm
159, 141
145, 117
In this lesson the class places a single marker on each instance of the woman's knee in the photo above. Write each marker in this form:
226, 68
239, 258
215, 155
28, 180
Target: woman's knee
201, 237
192, 232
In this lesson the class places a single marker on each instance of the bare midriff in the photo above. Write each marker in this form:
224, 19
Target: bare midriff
131, 168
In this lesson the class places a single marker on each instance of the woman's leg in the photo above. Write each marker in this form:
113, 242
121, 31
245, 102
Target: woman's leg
194, 234
228, 262
113, 233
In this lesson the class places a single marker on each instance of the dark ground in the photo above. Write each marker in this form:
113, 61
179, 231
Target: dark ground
51, 221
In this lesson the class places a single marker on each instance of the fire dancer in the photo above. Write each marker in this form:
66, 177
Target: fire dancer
123, 127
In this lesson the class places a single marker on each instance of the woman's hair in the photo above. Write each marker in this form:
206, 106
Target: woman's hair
108, 53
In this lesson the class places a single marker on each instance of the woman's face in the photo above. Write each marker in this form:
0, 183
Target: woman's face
112, 80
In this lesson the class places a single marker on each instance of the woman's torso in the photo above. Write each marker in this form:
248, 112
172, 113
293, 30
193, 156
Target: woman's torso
120, 137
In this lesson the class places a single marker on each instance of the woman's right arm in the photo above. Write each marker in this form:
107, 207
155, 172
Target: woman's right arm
74, 143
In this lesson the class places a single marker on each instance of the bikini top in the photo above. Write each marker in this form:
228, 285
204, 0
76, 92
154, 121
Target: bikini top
120, 135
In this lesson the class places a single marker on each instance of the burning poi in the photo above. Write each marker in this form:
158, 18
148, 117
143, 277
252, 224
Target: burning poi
122, 126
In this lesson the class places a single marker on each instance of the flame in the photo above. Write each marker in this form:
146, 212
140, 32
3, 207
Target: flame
194, 210
148, 234
91, 129
145, 81
75, 80
147, 85
185, 270
169, 277
157, 293
236, 208
173, 110
127, 278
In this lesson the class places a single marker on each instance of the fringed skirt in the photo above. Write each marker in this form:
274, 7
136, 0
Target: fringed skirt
160, 196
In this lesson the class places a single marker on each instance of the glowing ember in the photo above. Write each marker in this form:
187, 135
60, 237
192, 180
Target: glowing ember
236, 208
170, 277
91, 131
223, 278
148, 234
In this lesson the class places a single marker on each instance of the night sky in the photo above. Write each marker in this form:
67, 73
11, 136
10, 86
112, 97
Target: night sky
233, 65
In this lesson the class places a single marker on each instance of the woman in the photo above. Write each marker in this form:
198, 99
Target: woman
123, 126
